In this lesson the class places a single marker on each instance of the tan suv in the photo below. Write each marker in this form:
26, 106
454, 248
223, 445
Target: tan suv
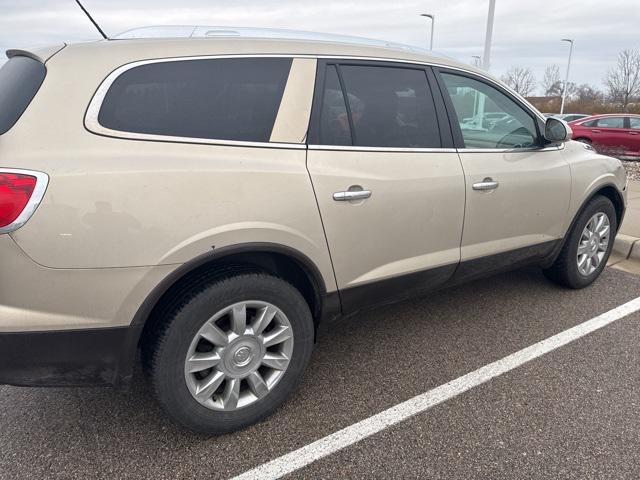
209, 201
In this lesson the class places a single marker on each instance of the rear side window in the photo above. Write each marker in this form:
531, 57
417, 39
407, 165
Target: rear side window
221, 99
20, 79
384, 107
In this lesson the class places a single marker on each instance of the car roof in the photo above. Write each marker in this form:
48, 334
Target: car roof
603, 115
148, 44
182, 40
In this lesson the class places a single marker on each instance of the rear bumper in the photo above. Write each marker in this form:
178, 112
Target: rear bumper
68, 358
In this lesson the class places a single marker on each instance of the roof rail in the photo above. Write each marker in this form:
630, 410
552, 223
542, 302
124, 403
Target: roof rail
203, 31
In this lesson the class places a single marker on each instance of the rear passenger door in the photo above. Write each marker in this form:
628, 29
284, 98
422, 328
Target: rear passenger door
389, 185
633, 135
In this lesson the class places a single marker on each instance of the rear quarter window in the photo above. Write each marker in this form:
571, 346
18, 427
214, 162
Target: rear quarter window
20, 79
221, 99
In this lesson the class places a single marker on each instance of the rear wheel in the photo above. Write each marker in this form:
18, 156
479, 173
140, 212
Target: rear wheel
232, 353
588, 245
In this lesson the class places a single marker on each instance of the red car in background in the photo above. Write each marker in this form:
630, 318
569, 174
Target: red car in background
617, 135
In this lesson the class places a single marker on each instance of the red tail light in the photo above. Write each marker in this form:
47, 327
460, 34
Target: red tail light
20, 194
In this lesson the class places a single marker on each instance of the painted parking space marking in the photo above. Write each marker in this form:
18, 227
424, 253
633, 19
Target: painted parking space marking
352, 434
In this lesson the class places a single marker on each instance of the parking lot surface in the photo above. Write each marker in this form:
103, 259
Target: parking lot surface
573, 413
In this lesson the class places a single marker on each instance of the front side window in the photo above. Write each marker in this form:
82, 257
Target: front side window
384, 107
634, 123
610, 122
221, 99
487, 117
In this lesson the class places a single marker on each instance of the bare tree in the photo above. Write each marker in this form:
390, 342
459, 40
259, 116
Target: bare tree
555, 90
623, 81
587, 93
521, 79
551, 79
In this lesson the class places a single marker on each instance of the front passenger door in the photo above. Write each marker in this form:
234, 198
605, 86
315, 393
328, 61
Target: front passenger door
517, 190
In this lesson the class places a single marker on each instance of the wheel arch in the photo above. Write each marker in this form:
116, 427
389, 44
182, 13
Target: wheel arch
608, 190
278, 260
613, 194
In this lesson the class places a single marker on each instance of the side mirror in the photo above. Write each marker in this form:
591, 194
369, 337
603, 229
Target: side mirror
556, 130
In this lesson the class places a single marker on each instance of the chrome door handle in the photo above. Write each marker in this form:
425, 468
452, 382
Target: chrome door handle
351, 195
633, 133
486, 184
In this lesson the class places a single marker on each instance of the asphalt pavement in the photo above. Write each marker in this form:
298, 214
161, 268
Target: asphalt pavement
573, 413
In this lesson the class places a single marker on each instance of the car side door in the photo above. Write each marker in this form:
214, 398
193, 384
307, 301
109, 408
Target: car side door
633, 135
518, 190
609, 135
388, 182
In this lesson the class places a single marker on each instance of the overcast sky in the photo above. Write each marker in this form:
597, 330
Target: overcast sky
526, 33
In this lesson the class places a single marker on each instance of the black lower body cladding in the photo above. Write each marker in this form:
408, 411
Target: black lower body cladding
68, 358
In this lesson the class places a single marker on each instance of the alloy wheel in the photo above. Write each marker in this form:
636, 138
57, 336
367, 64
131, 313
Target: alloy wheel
238, 355
593, 244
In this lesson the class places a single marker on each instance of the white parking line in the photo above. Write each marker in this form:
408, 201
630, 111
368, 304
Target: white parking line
358, 431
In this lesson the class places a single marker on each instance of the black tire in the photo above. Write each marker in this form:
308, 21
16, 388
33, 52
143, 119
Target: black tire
172, 341
564, 270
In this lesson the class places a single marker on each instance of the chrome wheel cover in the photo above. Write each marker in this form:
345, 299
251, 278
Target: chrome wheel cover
238, 355
593, 244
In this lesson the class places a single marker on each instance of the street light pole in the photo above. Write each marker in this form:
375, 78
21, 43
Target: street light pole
433, 21
486, 59
566, 78
476, 60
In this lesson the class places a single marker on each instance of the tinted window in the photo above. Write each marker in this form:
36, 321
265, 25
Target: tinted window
634, 123
334, 121
389, 107
590, 123
225, 99
488, 118
20, 79
610, 122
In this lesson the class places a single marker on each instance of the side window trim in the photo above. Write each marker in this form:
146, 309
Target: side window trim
453, 118
347, 103
444, 124
313, 137
313, 131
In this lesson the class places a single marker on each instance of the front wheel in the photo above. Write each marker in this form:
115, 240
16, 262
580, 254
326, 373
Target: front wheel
232, 352
587, 247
